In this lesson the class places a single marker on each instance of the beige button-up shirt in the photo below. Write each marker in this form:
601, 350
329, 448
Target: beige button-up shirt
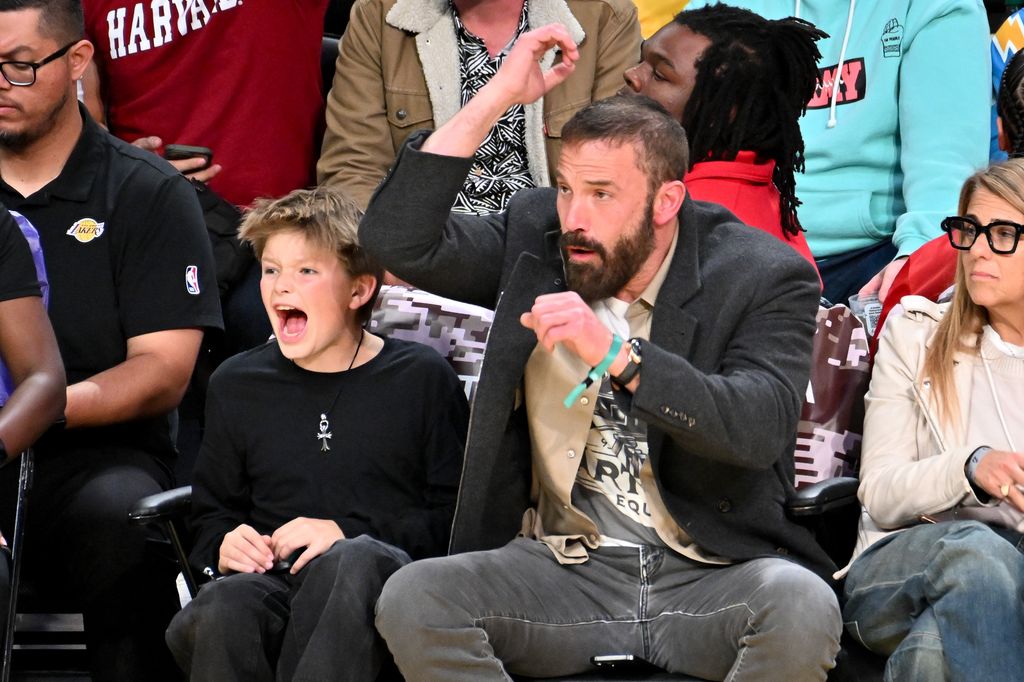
558, 437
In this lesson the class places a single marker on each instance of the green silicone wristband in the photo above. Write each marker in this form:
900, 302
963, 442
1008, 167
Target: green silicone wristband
595, 372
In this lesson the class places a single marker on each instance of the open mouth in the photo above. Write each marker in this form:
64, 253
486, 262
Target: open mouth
580, 253
291, 321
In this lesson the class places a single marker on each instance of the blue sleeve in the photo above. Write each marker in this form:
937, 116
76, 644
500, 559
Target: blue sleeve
944, 112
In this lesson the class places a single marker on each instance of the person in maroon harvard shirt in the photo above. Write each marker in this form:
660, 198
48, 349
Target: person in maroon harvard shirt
219, 76
216, 74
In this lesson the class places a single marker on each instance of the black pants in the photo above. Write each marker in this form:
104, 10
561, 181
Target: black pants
317, 625
81, 553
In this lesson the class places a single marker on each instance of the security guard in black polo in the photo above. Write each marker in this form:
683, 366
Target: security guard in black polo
131, 289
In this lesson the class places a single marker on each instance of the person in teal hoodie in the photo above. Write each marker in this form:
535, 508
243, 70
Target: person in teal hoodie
891, 134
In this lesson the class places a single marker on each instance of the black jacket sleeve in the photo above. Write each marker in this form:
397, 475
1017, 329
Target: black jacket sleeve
410, 228
743, 413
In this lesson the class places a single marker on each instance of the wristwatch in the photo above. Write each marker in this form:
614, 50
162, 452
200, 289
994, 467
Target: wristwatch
972, 463
636, 350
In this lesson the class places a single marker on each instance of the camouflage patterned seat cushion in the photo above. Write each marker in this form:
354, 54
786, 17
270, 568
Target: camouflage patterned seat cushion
832, 420
829, 434
456, 330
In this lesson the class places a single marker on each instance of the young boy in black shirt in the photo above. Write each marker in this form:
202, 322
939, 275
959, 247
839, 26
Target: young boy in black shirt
330, 458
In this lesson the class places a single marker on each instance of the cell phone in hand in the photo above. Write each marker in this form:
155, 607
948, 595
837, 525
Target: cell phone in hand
177, 152
285, 564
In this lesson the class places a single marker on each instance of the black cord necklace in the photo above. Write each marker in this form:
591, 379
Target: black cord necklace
325, 435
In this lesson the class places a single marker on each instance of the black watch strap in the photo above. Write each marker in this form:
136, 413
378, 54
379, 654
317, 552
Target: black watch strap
636, 347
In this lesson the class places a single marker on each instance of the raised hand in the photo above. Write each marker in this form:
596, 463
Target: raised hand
565, 318
521, 78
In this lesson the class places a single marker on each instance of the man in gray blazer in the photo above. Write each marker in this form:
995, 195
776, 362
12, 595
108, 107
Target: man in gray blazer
635, 416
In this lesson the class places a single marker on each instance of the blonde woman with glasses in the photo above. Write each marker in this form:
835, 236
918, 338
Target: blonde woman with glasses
941, 461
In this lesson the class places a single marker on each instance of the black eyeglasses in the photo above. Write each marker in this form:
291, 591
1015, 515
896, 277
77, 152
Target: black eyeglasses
1002, 235
24, 73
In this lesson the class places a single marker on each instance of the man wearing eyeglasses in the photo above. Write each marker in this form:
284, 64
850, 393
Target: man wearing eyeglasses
132, 287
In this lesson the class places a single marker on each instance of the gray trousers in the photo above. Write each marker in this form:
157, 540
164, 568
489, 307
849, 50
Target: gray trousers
314, 626
475, 616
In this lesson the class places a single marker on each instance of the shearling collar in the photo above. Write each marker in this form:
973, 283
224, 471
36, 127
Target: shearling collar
419, 16
438, 51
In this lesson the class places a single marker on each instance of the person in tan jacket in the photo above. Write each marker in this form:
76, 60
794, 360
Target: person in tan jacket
406, 65
941, 464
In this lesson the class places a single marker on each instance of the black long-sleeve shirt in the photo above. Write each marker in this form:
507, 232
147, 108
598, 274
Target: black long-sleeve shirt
397, 429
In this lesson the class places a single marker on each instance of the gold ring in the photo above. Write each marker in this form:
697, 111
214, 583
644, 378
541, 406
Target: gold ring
1005, 489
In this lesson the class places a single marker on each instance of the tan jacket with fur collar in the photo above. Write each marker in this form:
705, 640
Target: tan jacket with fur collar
398, 72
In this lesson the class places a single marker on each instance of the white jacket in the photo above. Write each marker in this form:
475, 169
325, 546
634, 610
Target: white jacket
911, 463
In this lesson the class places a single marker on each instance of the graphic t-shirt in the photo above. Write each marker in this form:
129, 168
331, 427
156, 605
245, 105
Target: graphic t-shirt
608, 487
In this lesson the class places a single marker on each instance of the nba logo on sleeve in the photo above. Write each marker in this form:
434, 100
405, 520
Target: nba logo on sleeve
192, 280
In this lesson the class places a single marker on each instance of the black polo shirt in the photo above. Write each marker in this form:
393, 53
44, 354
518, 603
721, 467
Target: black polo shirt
126, 254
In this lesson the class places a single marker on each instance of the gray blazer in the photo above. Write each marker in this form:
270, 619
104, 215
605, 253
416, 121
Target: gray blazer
724, 372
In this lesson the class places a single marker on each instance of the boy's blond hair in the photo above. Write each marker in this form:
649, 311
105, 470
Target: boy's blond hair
327, 218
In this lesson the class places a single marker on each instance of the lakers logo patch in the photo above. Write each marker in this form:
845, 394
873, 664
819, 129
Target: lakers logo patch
85, 230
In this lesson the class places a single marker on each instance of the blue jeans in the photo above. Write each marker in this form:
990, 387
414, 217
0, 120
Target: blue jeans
943, 601
482, 615
845, 273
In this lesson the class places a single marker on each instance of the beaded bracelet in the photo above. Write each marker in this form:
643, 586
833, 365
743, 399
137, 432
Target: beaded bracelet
596, 372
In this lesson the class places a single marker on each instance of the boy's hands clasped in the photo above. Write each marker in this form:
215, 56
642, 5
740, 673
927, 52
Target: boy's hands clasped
244, 550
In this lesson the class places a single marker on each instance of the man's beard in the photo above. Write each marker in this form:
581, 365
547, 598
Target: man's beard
604, 280
19, 141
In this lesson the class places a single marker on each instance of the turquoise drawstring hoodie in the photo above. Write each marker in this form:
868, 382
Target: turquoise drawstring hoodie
888, 149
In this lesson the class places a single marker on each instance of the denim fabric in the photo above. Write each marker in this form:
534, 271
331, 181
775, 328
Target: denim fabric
314, 626
844, 274
943, 601
475, 616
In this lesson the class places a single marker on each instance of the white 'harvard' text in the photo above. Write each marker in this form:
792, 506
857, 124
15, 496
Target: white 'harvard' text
156, 22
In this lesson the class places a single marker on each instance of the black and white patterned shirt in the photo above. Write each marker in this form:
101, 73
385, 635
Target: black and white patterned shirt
500, 167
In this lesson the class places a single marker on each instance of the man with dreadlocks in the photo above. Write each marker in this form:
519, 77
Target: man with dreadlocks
898, 121
738, 83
